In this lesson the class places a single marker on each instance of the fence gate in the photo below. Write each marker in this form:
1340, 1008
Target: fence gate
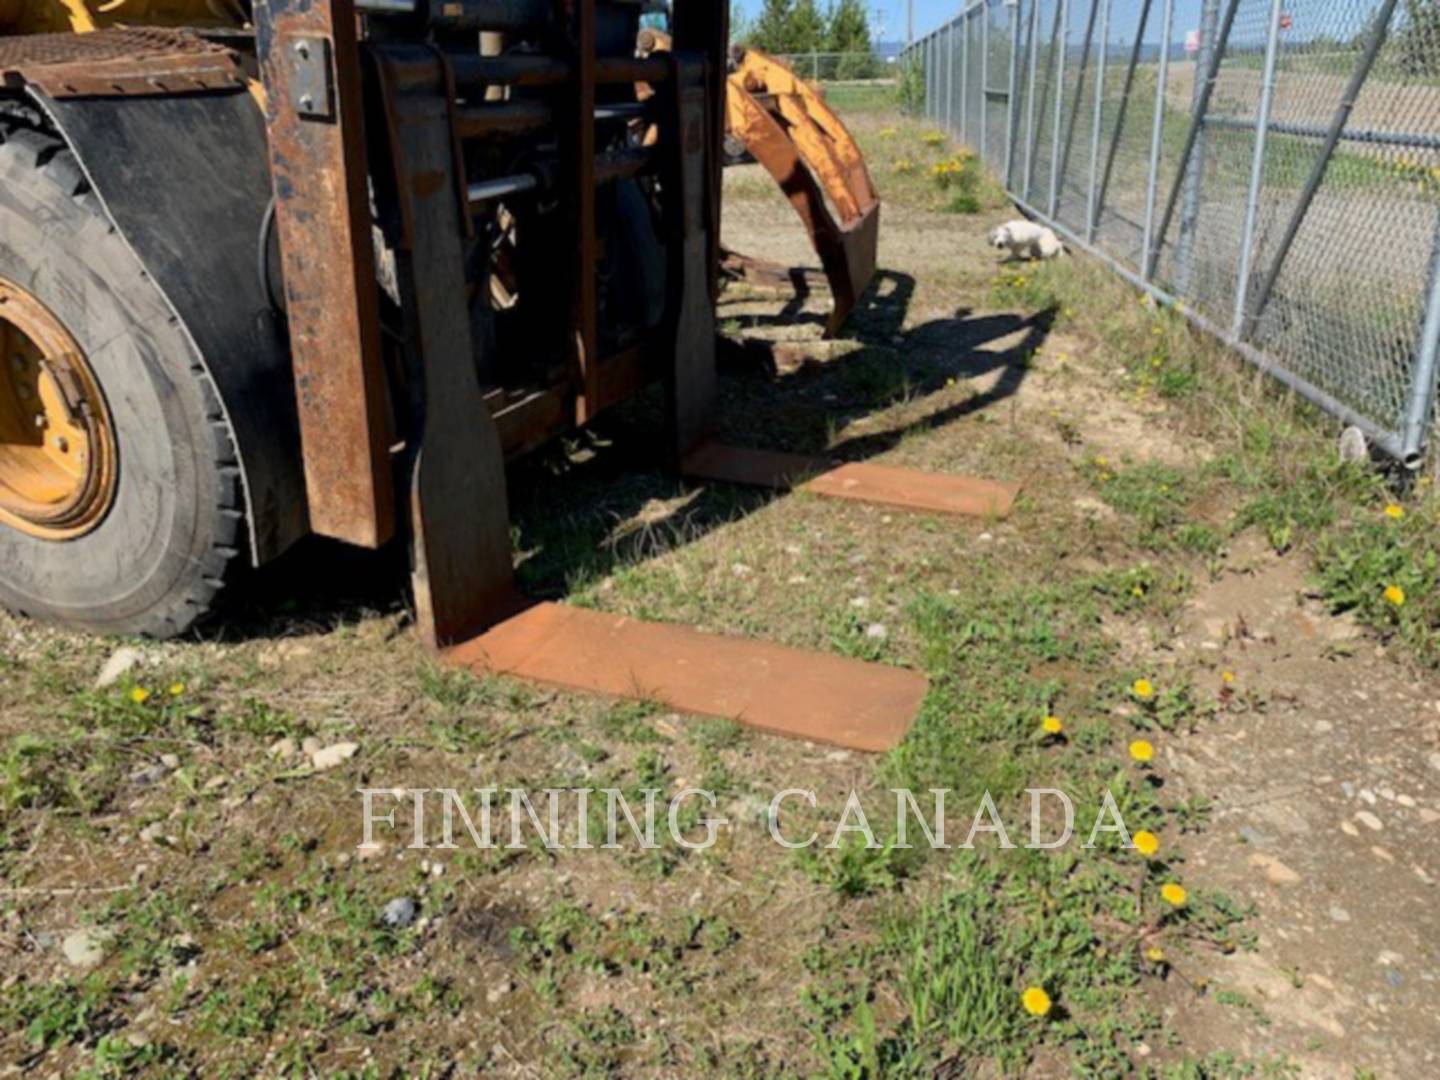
1272, 167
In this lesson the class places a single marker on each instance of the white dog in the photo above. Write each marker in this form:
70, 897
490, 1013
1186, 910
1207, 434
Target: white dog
1026, 240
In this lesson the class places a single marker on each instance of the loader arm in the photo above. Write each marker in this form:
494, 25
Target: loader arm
787, 127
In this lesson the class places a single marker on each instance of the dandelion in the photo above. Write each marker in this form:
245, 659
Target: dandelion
1395, 594
1101, 460
139, 695
1142, 689
1395, 511
1147, 843
176, 689
1155, 954
1142, 751
1035, 1000
1227, 676
1137, 589
1052, 725
1173, 894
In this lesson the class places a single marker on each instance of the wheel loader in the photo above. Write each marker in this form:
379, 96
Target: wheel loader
324, 266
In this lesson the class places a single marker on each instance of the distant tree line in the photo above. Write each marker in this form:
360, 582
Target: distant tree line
799, 26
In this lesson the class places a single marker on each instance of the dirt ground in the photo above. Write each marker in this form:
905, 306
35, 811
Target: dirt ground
183, 893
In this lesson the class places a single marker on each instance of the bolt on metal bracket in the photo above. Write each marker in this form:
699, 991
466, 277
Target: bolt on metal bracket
312, 85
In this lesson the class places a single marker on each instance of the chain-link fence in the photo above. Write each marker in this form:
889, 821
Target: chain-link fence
1271, 165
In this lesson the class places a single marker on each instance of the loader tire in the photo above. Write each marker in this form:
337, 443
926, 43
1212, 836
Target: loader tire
172, 528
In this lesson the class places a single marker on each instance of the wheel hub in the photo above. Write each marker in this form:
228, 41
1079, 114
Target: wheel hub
57, 447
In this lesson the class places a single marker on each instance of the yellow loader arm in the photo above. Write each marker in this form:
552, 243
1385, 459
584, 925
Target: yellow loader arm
787, 127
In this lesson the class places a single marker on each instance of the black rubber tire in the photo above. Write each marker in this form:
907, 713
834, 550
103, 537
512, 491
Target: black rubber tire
158, 560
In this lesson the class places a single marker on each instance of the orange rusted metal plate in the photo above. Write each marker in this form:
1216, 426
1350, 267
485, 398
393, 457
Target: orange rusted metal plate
911, 489
785, 691
885, 485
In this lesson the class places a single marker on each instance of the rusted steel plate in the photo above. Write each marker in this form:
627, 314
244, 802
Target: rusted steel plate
115, 62
884, 485
911, 489
310, 66
785, 691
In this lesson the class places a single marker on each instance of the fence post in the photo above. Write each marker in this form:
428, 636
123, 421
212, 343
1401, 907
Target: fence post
1088, 41
932, 68
1374, 41
1030, 98
1147, 265
1096, 121
1129, 82
1195, 170
984, 10
1257, 168
964, 24
1422, 386
949, 76
1012, 91
1062, 37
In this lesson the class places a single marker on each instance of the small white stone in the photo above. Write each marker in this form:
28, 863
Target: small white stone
1369, 820
286, 748
86, 948
876, 632
120, 663
333, 755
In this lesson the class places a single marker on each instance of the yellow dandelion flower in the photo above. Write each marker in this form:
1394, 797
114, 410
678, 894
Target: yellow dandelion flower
1395, 594
1137, 589
1227, 676
1142, 689
1147, 843
1173, 894
1035, 1000
1142, 751
1395, 511
176, 689
139, 695
1155, 954
1101, 460
1052, 725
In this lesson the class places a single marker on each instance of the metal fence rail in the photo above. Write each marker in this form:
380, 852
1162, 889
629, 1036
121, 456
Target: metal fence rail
1270, 166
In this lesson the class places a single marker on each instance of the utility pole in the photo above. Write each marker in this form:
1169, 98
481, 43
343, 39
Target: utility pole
909, 22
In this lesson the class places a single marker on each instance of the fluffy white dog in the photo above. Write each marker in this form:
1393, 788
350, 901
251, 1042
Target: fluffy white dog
1026, 240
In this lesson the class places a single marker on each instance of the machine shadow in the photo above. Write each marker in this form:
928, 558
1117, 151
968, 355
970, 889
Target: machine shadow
580, 519
596, 502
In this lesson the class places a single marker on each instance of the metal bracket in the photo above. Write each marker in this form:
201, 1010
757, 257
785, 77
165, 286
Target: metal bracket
312, 83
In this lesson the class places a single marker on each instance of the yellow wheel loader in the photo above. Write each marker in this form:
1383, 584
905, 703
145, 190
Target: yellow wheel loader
324, 266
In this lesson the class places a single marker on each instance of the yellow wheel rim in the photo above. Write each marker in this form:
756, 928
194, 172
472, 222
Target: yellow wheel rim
57, 447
